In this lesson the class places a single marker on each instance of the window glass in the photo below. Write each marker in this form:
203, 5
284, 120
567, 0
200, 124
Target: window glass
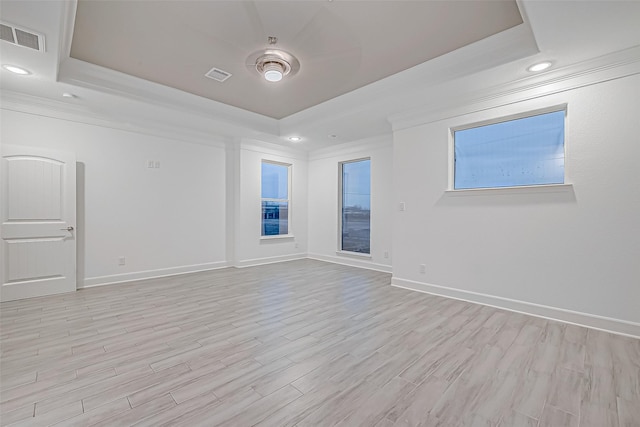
275, 181
275, 199
527, 151
275, 218
356, 206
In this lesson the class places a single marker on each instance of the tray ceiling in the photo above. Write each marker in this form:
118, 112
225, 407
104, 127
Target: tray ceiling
341, 45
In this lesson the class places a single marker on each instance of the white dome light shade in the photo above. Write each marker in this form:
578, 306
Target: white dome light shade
16, 70
273, 71
539, 66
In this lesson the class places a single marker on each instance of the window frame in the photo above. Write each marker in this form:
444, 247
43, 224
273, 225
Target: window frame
341, 251
289, 234
495, 120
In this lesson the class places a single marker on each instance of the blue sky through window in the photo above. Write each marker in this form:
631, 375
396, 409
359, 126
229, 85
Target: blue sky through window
275, 181
356, 184
527, 151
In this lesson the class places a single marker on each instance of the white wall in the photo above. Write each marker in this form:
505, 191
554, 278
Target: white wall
577, 250
164, 221
250, 249
324, 195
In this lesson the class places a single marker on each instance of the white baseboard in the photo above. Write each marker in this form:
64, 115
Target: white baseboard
616, 326
353, 262
90, 282
268, 260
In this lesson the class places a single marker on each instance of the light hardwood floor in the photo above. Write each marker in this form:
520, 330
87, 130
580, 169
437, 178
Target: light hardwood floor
303, 343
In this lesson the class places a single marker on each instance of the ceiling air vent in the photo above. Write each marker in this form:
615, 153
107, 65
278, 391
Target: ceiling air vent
218, 75
21, 37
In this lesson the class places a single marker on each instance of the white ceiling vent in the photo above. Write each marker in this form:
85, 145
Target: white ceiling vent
21, 37
218, 75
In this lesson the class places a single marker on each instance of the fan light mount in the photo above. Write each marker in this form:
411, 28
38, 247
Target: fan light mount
274, 64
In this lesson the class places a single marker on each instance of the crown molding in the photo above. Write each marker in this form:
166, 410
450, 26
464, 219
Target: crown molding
46, 107
348, 148
101, 79
67, 23
604, 68
263, 147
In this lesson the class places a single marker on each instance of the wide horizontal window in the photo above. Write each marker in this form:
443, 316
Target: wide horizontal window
520, 152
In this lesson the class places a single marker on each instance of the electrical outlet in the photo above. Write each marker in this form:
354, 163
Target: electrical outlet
402, 207
150, 164
386, 254
296, 245
122, 260
423, 268
157, 164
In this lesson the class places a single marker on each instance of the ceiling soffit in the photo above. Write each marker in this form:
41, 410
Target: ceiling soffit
342, 46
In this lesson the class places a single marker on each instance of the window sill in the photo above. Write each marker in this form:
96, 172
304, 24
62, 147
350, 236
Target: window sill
528, 189
354, 254
277, 236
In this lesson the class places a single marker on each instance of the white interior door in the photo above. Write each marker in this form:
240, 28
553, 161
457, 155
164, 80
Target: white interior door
38, 220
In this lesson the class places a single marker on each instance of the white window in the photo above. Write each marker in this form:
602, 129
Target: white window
511, 153
276, 190
355, 206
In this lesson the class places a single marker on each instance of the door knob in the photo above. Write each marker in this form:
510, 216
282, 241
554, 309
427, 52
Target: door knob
69, 228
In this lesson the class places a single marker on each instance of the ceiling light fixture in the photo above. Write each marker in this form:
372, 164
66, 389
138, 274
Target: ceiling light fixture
68, 95
273, 64
295, 139
273, 71
16, 70
539, 66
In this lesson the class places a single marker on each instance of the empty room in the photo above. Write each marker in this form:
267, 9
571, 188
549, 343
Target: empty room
320, 213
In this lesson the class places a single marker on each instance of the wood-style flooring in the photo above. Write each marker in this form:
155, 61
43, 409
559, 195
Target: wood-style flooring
303, 343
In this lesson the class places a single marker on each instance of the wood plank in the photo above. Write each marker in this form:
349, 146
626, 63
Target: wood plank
302, 343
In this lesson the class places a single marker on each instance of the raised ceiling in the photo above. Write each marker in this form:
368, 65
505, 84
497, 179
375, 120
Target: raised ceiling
341, 45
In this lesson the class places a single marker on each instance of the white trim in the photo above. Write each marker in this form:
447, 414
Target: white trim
95, 77
149, 274
369, 265
598, 70
523, 189
354, 254
270, 149
347, 149
524, 114
54, 109
277, 236
616, 326
269, 260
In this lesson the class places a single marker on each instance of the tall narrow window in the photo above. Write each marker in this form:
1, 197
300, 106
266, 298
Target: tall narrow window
275, 198
355, 207
526, 151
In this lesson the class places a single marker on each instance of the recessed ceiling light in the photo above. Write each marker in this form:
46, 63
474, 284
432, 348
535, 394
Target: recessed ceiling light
68, 95
16, 70
295, 139
539, 66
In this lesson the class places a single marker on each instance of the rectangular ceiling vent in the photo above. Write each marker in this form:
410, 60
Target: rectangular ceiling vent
218, 75
21, 37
